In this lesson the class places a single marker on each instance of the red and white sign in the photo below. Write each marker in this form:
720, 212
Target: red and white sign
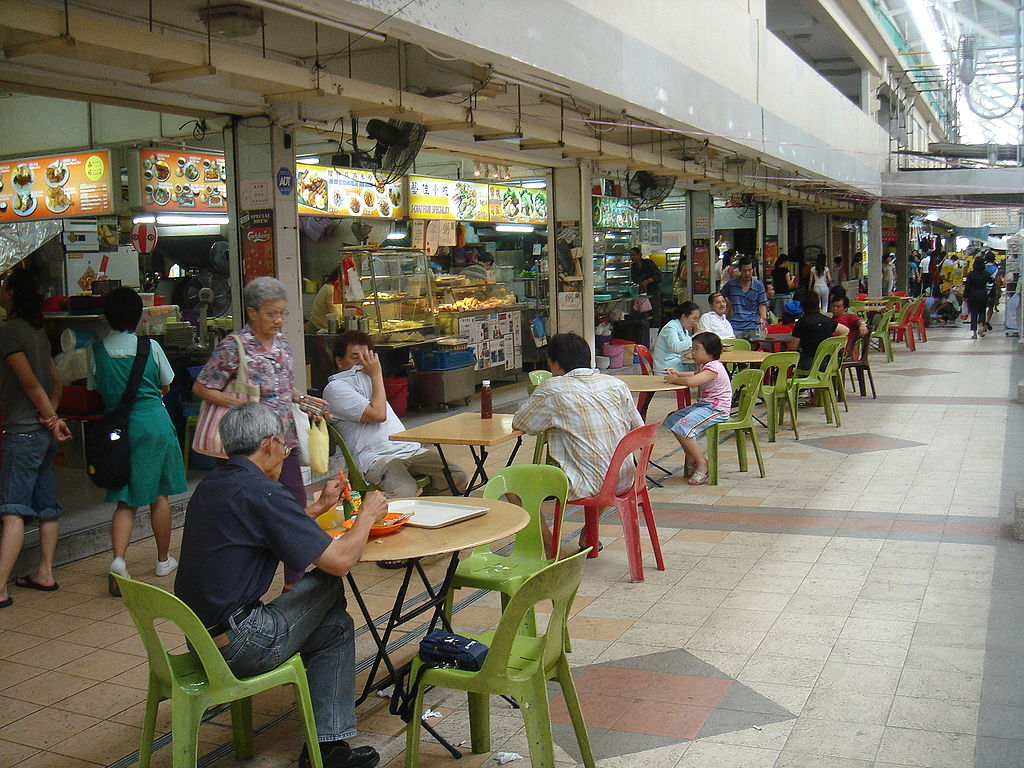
144, 237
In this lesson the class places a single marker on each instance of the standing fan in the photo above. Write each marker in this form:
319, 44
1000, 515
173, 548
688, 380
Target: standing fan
397, 145
209, 294
647, 190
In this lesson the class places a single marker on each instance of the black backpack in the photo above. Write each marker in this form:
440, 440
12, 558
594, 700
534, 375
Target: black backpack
107, 452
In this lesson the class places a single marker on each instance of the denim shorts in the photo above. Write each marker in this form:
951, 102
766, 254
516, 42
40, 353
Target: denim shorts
692, 421
28, 486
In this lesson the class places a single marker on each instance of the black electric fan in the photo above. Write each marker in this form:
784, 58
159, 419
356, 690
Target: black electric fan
398, 142
647, 190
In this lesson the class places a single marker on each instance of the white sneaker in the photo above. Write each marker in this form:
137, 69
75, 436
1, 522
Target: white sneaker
164, 567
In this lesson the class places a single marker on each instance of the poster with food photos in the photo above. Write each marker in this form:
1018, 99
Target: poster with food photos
179, 181
56, 186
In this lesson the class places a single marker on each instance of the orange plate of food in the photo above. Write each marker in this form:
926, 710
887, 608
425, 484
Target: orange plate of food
390, 523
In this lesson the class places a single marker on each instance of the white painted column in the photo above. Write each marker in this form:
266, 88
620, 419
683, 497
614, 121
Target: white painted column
571, 205
874, 246
258, 152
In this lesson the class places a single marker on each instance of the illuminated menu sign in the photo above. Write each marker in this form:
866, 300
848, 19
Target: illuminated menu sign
615, 213
56, 187
514, 205
176, 182
328, 191
444, 199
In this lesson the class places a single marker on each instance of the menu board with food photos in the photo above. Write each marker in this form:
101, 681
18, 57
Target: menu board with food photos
328, 191
514, 205
56, 186
615, 213
183, 182
444, 199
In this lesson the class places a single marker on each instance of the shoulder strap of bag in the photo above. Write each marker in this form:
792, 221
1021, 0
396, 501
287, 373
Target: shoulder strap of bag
242, 374
135, 377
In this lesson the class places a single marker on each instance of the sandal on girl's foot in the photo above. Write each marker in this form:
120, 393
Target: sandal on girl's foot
698, 478
688, 469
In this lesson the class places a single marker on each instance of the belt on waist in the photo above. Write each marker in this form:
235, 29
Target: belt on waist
219, 632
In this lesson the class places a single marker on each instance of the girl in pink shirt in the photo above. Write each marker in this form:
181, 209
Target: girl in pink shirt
712, 406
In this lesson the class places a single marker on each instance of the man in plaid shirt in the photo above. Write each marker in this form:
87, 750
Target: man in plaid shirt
585, 414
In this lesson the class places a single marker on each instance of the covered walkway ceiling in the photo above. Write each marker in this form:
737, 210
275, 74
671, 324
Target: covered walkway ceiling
316, 76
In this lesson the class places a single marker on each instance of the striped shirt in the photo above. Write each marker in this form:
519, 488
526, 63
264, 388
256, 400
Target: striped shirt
585, 414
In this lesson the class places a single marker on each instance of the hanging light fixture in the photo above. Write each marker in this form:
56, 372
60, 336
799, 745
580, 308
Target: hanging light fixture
508, 174
494, 173
476, 169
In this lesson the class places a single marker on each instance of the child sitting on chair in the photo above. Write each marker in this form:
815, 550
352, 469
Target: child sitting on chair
712, 406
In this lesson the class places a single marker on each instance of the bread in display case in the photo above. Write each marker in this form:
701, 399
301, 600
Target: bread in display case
398, 293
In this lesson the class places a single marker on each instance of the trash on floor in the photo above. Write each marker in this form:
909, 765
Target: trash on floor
507, 757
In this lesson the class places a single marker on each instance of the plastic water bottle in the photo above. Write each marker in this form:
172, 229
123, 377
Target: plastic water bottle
486, 405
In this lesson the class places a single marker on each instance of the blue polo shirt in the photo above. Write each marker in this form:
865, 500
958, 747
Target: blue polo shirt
239, 526
745, 316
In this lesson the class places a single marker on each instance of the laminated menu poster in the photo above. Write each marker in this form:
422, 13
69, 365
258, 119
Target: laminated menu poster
496, 339
183, 182
328, 191
56, 186
444, 199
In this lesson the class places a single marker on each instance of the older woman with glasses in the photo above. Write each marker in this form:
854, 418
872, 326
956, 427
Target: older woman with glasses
270, 365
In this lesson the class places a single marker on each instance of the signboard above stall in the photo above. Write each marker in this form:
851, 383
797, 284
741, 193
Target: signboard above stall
447, 200
176, 182
328, 191
56, 186
615, 213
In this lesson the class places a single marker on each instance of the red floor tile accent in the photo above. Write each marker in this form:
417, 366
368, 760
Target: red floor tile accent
598, 711
629, 683
657, 718
687, 689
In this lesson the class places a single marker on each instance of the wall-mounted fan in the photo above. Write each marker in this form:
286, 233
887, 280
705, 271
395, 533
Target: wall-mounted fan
398, 143
648, 190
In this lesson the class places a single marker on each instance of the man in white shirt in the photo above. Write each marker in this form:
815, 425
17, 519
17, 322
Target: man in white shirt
925, 266
365, 420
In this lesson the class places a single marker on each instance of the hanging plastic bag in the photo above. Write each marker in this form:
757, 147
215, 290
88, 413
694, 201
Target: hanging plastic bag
302, 429
319, 447
353, 288
643, 304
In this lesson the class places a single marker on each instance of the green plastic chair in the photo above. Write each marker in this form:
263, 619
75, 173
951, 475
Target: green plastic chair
355, 477
746, 386
516, 665
536, 377
881, 334
193, 687
822, 378
738, 345
782, 367
484, 569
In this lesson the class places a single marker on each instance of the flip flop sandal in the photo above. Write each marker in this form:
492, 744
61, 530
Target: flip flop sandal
687, 470
27, 582
698, 478
7, 603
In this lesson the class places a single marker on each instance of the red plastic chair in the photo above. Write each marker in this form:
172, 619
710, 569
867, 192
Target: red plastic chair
904, 327
776, 346
630, 502
861, 296
917, 318
643, 400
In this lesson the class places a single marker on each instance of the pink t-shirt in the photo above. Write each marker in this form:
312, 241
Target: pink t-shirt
717, 392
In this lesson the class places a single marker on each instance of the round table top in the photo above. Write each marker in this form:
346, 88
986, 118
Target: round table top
743, 357
501, 519
637, 383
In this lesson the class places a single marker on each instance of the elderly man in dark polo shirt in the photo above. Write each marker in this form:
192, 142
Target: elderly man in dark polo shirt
240, 525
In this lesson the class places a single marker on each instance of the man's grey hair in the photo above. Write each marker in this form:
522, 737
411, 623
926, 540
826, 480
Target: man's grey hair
260, 290
247, 425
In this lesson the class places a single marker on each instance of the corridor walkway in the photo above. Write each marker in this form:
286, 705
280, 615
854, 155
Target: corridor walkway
861, 606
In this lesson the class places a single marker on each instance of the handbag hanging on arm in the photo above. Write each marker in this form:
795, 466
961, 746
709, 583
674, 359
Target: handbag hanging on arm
107, 452
206, 439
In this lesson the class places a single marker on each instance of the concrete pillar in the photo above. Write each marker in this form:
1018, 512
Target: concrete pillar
784, 227
902, 250
572, 237
261, 164
700, 245
874, 247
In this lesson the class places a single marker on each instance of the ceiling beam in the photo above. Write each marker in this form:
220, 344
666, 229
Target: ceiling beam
55, 45
183, 73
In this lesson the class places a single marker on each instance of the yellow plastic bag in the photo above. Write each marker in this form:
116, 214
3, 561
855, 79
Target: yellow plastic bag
318, 447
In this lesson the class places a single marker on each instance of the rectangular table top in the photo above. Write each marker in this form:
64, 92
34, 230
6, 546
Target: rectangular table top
654, 383
462, 429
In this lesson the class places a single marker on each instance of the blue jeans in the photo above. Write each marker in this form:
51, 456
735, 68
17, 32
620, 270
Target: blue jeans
28, 486
310, 619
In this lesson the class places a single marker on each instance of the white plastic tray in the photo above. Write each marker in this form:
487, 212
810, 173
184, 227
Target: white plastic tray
434, 514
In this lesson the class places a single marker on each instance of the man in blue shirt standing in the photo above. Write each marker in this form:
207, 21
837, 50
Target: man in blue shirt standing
749, 301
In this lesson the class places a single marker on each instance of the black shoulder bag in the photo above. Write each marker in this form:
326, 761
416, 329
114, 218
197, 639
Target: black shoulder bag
107, 453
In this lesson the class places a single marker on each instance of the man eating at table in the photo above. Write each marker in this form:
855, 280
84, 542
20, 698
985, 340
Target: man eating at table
241, 524
585, 414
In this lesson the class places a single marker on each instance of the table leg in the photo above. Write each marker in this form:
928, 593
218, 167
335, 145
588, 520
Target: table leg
448, 472
515, 450
479, 458
396, 675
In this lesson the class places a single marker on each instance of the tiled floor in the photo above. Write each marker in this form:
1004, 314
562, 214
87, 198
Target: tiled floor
860, 606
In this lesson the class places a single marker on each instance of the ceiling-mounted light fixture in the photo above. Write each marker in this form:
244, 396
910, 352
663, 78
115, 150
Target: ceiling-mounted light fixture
522, 228
308, 160
494, 173
508, 175
476, 169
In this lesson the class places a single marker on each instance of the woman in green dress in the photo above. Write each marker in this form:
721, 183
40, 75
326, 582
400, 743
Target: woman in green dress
157, 467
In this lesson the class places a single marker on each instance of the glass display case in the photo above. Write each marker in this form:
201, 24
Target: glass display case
612, 262
398, 291
487, 317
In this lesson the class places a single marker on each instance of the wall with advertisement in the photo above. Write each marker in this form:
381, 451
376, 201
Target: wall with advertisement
56, 186
328, 191
182, 182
